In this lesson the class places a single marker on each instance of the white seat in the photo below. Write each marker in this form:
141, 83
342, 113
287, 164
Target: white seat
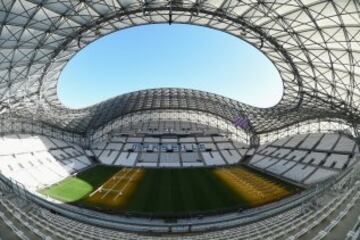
337, 161
231, 156
319, 175
296, 155
108, 156
327, 142
281, 167
315, 158
169, 160
295, 140
265, 162
311, 140
49, 161
212, 158
345, 145
299, 172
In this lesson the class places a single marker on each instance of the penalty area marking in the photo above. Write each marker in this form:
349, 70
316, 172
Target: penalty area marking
99, 189
126, 184
115, 177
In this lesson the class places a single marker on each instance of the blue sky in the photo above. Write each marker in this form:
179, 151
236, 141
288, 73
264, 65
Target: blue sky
160, 55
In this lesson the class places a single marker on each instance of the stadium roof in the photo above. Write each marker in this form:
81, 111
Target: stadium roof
314, 44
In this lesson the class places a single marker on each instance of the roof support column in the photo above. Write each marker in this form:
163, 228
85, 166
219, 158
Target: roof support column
254, 141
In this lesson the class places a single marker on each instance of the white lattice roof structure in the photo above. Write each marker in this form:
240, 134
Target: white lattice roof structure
314, 44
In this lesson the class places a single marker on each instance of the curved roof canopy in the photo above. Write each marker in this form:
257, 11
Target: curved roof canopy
315, 45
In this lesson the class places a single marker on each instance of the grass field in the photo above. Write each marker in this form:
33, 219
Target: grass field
160, 191
74, 188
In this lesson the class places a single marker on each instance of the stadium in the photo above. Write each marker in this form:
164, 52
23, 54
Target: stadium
180, 163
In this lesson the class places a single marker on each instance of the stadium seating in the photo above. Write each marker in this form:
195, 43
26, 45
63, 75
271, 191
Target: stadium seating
306, 158
26, 221
168, 151
127, 159
231, 155
169, 159
38, 161
149, 159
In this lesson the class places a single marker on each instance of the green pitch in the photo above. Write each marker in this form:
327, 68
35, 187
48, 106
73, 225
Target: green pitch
74, 188
163, 191
182, 190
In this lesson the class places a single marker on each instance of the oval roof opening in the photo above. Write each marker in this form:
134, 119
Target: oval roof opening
160, 56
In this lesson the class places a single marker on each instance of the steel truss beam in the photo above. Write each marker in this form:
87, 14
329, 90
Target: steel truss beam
315, 45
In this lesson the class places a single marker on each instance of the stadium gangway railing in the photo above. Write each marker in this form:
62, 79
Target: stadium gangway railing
195, 224
354, 233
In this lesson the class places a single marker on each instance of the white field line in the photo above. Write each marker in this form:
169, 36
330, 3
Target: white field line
110, 190
127, 183
119, 180
102, 186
